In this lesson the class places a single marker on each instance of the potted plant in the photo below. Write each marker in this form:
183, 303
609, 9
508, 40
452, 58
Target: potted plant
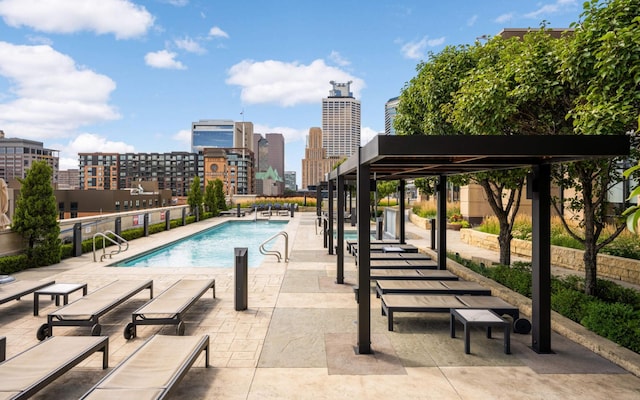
456, 222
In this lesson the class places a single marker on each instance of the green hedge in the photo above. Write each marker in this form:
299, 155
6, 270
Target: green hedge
12, 264
614, 313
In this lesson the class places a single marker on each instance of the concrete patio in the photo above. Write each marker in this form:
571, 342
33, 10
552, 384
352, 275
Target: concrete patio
297, 338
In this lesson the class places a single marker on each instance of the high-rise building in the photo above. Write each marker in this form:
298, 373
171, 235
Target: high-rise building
212, 133
290, 181
340, 121
390, 111
17, 156
269, 159
69, 179
233, 166
316, 164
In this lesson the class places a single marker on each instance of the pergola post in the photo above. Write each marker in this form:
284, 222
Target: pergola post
364, 262
540, 187
340, 238
401, 189
330, 216
441, 221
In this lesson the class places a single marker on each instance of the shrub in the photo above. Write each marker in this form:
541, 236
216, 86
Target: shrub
517, 277
570, 303
617, 322
425, 209
12, 264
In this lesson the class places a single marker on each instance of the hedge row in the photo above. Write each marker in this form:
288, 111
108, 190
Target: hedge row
614, 313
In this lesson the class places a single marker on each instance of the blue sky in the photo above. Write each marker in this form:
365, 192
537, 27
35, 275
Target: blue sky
131, 76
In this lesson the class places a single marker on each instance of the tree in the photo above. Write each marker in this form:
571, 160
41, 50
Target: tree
210, 198
221, 203
601, 65
632, 214
195, 198
515, 89
36, 216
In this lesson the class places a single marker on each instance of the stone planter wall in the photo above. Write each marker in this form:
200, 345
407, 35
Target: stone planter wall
624, 269
420, 222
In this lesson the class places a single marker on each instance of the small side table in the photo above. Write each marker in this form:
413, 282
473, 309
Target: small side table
55, 291
392, 249
479, 317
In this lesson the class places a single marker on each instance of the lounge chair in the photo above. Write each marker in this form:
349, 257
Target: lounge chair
393, 303
386, 248
413, 274
397, 256
87, 310
430, 287
351, 244
170, 306
30, 371
403, 264
153, 370
16, 289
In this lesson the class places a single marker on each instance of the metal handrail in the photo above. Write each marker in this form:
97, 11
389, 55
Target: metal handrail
275, 252
104, 236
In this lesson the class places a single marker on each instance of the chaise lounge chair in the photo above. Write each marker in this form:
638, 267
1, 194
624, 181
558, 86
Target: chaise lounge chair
87, 310
393, 303
413, 274
430, 287
16, 289
352, 244
170, 306
30, 371
403, 264
153, 370
386, 248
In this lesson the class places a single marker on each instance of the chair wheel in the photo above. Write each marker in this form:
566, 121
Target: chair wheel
43, 332
522, 325
129, 331
95, 330
180, 329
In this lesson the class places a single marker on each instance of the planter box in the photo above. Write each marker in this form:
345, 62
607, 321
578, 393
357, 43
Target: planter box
624, 269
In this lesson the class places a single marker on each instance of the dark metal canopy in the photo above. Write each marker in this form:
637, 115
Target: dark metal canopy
408, 157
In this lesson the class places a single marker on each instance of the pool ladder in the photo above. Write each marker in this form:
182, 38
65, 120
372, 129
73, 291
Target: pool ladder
276, 253
118, 243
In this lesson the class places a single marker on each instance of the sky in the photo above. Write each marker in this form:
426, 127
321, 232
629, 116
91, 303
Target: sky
131, 76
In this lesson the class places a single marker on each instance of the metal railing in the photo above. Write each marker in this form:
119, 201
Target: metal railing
276, 253
118, 243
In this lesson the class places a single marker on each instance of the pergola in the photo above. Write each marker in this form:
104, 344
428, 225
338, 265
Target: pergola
409, 157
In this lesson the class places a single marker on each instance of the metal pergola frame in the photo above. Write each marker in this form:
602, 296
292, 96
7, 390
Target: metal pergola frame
410, 157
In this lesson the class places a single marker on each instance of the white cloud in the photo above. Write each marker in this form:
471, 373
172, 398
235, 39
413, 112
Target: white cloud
36, 39
88, 143
337, 59
472, 21
190, 45
366, 134
163, 59
122, 18
183, 137
290, 134
177, 3
504, 18
287, 84
554, 8
50, 96
415, 50
217, 32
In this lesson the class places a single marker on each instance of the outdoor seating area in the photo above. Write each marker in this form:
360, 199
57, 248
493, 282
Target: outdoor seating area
170, 306
87, 310
30, 371
153, 370
16, 289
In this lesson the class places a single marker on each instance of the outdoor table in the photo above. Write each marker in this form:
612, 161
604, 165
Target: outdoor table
56, 290
392, 249
479, 317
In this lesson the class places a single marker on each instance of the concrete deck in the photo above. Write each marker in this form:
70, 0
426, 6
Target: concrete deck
296, 340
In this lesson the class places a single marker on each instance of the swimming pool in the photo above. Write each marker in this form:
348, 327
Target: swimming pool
213, 247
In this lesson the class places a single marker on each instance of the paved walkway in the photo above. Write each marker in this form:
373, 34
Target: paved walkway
296, 340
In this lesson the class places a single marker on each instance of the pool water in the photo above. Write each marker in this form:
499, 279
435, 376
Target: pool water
213, 247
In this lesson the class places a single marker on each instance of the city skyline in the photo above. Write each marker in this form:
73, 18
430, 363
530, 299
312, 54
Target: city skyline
131, 76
